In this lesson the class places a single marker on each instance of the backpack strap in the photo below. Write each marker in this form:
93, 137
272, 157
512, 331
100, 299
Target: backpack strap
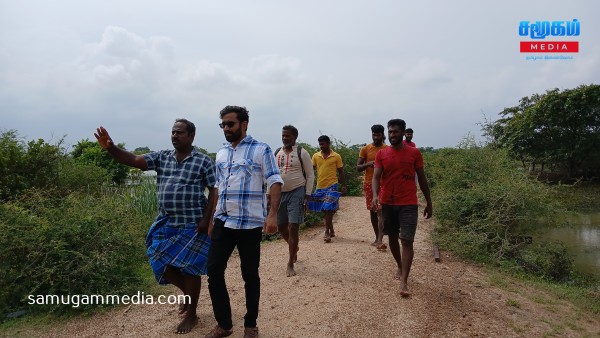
299, 157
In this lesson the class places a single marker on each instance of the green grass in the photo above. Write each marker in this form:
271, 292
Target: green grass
498, 280
585, 297
513, 303
517, 328
578, 197
541, 300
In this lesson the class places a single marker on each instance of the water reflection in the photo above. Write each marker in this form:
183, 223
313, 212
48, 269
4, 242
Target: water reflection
582, 238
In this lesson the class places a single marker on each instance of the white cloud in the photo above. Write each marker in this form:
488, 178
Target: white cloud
426, 71
274, 69
136, 66
123, 58
206, 75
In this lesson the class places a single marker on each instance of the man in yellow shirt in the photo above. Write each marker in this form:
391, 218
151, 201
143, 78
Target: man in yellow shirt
366, 162
329, 168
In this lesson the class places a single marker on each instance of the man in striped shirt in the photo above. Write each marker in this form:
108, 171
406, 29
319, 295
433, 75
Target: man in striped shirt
177, 243
243, 166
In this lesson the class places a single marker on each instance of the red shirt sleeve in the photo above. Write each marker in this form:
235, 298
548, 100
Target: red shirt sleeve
419, 160
378, 158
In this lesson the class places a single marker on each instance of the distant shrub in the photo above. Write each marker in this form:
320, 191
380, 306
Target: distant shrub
83, 177
90, 152
25, 165
40, 165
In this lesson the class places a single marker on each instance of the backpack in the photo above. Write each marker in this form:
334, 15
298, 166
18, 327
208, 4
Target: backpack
299, 157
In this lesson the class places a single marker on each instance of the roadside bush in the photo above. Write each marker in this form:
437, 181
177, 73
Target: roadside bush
40, 165
83, 244
83, 177
482, 199
66, 230
548, 260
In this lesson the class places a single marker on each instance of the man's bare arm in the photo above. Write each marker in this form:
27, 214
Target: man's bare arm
204, 222
271, 221
375, 182
362, 164
120, 155
428, 212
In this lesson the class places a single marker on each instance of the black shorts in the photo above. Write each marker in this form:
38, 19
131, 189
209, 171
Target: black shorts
401, 220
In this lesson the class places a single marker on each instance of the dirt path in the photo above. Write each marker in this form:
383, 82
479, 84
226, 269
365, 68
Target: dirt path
345, 289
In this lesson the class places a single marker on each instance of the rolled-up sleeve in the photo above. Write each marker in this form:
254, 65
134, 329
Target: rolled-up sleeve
270, 169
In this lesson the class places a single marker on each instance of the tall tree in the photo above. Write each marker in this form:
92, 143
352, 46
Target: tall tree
558, 128
141, 150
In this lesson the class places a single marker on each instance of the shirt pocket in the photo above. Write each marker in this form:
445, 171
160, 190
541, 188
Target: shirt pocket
244, 167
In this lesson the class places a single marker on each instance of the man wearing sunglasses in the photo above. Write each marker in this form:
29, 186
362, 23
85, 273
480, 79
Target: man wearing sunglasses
243, 166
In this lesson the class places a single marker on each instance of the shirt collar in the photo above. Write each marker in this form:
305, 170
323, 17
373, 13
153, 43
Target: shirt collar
246, 139
331, 153
192, 154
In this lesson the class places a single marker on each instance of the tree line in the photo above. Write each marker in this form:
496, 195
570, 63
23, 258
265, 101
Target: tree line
557, 132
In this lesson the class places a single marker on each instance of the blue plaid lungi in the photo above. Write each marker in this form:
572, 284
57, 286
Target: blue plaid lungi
325, 199
177, 245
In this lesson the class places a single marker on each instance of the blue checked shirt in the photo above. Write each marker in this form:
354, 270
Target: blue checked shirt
181, 185
241, 176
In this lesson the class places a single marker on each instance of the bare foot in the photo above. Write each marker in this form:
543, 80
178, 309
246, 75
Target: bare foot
404, 291
398, 274
182, 308
381, 247
187, 324
290, 271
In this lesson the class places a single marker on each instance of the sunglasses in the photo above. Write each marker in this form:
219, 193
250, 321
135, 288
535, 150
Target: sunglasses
228, 124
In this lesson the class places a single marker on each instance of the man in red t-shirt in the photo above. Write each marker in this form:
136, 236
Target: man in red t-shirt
408, 135
395, 169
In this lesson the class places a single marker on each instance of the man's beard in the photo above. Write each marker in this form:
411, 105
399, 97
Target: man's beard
396, 142
235, 136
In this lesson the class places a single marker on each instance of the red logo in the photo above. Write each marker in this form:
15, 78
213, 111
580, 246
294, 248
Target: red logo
549, 47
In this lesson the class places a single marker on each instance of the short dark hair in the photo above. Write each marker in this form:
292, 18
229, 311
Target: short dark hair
292, 129
242, 112
324, 138
191, 128
397, 122
377, 128
409, 130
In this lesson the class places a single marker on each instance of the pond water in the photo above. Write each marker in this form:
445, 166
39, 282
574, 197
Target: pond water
581, 235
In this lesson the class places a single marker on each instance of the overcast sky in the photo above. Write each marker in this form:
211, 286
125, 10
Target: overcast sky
327, 67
